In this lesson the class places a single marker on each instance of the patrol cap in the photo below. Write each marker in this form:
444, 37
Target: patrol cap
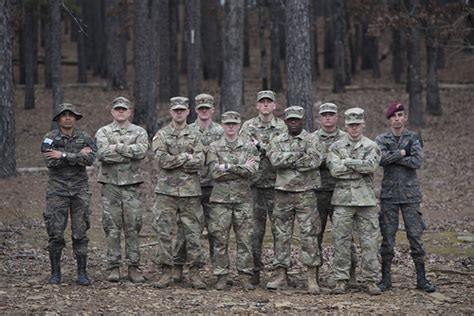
179, 103
230, 117
204, 100
63, 107
394, 107
269, 94
354, 116
294, 112
121, 102
327, 108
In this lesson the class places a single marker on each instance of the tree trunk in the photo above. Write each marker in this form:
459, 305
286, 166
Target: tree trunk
262, 18
315, 73
193, 16
165, 48
246, 34
46, 22
275, 77
397, 46
56, 52
328, 35
94, 17
433, 104
81, 45
339, 52
173, 27
30, 51
7, 106
346, 43
116, 16
232, 79
298, 58
211, 39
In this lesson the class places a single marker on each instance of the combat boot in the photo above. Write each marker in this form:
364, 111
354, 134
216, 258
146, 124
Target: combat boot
134, 275
373, 289
352, 277
255, 280
165, 278
221, 283
422, 283
386, 282
313, 284
341, 287
195, 278
280, 281
114, 274
245, 282
82, 277
55, 260
178, 273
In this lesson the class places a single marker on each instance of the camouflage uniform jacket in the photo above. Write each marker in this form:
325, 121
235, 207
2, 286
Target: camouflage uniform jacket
68, 176
324, 141
296, 159
122, 165
232, 185
400, 183
178, 175
353, 165
209, 135
263, 132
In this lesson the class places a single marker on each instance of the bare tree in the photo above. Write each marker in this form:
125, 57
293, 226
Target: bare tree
262, 26
7, 106
398, 45
211, 39
339, 49
328, 34
55, 7
30, 50
232, 79
78, 25
433, 104
193, 16
315, 73
298, 58
94, 17
246, 33
173, 55
276, 10
165, 49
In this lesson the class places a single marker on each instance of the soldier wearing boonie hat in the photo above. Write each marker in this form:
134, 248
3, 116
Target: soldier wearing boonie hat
63, 107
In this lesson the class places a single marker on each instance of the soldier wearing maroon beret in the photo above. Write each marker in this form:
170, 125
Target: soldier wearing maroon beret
402, 155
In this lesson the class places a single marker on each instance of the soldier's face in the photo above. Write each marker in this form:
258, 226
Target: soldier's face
328, 120
67, 120
295, 126
231, 129
179, 115
355, 130
266, 106
205, 113
121, 115
398, 120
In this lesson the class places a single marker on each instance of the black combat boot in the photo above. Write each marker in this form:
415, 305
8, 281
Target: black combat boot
386, 282
55, 259
82, 277
422, 283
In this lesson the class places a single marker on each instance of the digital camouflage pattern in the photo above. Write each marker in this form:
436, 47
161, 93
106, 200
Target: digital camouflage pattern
353, 165
121, 176
401, 191
68, 189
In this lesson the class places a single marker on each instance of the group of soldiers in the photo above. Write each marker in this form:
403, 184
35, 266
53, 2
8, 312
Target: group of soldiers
216, 177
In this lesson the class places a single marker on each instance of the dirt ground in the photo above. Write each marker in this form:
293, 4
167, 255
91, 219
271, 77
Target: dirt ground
447, 179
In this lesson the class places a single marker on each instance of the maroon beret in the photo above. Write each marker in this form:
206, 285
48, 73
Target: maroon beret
393, 107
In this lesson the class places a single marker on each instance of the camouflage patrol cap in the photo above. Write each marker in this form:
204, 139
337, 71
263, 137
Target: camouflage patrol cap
269, 94
354, 116
204, 100
230, 117
121, 102
294, 112
327, 108
179, 103
63, 107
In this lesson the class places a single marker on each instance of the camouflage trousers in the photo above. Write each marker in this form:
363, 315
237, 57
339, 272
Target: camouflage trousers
364, 221
263, 206
122, 212
326, 210
288, 207
414, 225
180, 242
56, 215
167, 211
223, 217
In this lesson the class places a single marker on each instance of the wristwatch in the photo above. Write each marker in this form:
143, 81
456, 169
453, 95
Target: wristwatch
63, 155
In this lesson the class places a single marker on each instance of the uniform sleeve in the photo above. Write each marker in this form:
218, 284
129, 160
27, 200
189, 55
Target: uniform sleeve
369, 164
103, 151
247, 170
164, 159
337, 168
135, 149
415, 160
213, 162
282, 159
83, 159
311, 159
47, 144
387, 156
197, 160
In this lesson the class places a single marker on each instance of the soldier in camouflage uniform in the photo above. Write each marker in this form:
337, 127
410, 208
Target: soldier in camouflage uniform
325, 136
67, 151
402, 155
261, 130
296, 158
352, 160
179, 154
210, 131
232, 161
121, 147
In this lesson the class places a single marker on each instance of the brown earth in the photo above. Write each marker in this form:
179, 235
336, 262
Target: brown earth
447, 177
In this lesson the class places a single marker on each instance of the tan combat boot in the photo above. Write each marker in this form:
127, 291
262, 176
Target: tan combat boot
134, 275
178, 274
373, 289
221, 283
246, 282
352, 277
195, 278
165, 278
114, 274
280, 281
340, 287
313, 286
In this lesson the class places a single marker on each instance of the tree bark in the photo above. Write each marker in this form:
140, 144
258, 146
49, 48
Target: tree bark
315, 72
433, 104
275, 76
116, 16
232, 79
81, 44
30, 50
298, 58
339, 51
56, 52
193, 16
211, 39
173, 55
94, 17
7, 105
165, 48
262, 25
246, 34
46, 22
328, 35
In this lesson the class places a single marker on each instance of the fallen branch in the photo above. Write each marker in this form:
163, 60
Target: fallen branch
448, 271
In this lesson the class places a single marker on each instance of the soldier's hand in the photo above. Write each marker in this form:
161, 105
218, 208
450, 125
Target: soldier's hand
222, 167
403, 152
250, 162
53, 154
113, 147
86, 150
408, 148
